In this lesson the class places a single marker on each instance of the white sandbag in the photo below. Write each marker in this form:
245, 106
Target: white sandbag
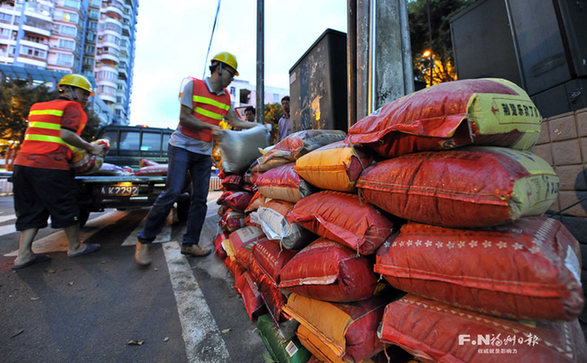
240, 148
275, 226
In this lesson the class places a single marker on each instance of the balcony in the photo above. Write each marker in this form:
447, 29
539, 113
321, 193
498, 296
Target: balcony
32, 60
36, 30
30, 43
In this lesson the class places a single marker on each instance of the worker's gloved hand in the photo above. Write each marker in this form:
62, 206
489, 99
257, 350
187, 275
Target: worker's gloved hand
97, 149
218, 133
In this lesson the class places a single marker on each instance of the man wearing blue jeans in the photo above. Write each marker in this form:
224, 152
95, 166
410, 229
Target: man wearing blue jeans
204, 103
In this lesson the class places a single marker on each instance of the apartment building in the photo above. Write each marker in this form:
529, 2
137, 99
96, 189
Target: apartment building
43, 40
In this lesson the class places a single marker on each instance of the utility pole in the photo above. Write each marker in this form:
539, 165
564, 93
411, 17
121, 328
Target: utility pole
260, 61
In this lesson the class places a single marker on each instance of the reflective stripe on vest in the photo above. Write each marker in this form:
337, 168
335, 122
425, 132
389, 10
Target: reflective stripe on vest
207, 107
43, 134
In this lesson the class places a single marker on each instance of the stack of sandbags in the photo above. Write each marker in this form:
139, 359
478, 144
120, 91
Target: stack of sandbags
335, 295
475, 238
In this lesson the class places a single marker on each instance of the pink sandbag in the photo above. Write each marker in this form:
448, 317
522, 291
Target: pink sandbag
283, 183
529, 269
238, 201
449, 115
343, 218
271, 257
155, 170
465, 188
326, 270
433, 331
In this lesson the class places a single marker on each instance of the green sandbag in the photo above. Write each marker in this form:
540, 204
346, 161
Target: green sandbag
281, 350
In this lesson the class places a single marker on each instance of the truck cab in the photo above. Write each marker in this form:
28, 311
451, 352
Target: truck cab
129, 144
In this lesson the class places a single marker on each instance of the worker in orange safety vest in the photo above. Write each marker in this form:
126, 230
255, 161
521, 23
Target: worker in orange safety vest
44, 184
204, 104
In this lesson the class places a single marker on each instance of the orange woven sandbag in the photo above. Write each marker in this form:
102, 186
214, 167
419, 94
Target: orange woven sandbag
466, 188
245, 285
255, 202
343, 218
296, 145
452, 114
336, 166
529, 269
271, 258
338, 332
433, 331
147, 162
283, 183
155, 170
326, 270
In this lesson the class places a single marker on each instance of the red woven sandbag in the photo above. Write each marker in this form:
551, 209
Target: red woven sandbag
272, 297
283, 183
449, 115
232, 182
245, 285
218, 249
231, 265
338, 332
271, 257
242, 237
155, 170
238, 201
465, 188
147, 162
433, 331
222, 197
232, 221
326, 270
343, 218
529, 269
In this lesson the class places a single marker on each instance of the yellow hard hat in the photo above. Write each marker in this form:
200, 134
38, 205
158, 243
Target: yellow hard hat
228, 59
76, 80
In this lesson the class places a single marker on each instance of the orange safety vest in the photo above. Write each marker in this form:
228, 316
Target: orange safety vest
43, 134
208, 107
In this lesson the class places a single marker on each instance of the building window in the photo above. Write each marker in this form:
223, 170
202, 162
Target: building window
73, 4
232, 91
64, 59
67, 30
94, 14
66, 44
90, 49
5, 18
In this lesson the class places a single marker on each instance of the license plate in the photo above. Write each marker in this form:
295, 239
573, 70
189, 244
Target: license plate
121, 190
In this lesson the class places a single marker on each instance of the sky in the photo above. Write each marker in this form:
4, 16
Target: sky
173, 37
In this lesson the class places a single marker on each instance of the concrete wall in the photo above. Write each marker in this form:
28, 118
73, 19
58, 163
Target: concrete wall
563, 143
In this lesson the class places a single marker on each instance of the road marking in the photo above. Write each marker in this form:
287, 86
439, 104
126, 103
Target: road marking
7, 218
7, 229
163, 236
201, 335
57, 242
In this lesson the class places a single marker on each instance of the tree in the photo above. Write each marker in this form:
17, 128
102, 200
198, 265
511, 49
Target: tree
441, 55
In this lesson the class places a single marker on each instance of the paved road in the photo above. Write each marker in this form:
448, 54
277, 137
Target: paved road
89, 308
